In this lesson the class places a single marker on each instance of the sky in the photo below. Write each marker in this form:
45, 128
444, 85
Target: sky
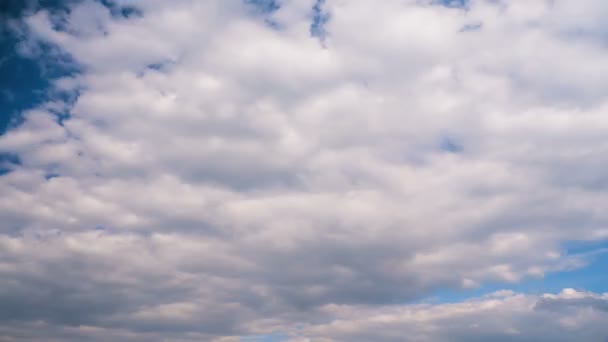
303, 170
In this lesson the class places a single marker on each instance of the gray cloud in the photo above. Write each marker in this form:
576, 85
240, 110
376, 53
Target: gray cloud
503, 316
221, 177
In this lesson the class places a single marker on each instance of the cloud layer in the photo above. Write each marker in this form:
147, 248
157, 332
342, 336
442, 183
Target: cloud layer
225, 168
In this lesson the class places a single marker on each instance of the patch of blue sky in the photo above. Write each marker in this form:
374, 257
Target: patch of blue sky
8, 162
26, 77
319, 19
122, 9
452, 3
264, 6
22, 83
592, 277
67, 97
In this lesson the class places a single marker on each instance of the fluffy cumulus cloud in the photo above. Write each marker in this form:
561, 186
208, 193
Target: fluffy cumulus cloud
221, 170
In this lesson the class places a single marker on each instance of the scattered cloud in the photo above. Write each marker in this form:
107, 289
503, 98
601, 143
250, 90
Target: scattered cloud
501, 316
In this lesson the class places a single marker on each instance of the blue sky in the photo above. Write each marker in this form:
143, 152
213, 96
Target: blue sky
591, 277
303, 170
22, 81
26, 77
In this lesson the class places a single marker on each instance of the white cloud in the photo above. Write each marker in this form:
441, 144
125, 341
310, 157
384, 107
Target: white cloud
504, 316
220, 176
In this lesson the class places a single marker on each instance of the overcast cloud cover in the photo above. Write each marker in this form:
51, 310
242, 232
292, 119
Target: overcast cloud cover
306, 170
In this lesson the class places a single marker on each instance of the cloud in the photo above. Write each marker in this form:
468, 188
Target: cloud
502, 316
216, 176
